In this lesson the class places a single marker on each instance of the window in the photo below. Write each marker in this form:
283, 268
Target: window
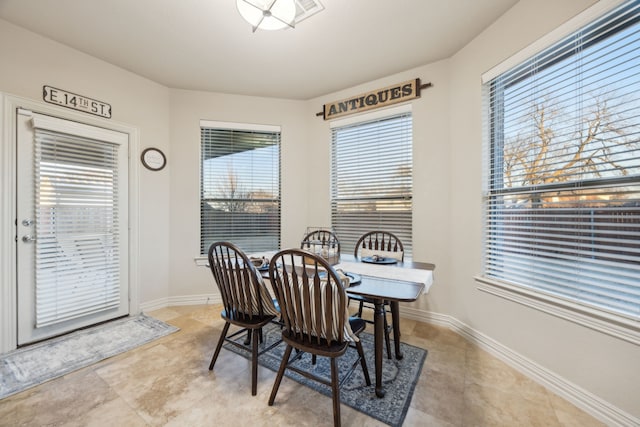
240, 186
371, 179
562, 192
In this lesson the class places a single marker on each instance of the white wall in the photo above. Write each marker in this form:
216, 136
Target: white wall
29, 61
305, 173
430, 171
187, 109
603, 365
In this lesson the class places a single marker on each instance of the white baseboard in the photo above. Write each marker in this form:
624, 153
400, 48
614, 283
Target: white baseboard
181, 300
583, 399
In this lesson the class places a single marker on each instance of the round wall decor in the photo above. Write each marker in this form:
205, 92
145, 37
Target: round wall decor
153, 159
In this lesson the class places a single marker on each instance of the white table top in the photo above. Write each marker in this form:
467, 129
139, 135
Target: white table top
399, 271
390, 271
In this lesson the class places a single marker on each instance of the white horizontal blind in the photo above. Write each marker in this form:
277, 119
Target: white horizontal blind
372, 179
563, 186
240, 188
77, 226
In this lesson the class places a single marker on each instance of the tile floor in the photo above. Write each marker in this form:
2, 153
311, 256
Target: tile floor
167, 382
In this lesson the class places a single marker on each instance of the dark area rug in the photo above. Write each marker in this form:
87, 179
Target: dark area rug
34, 364
399, 376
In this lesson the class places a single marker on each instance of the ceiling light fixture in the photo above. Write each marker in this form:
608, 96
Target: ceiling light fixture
268, 14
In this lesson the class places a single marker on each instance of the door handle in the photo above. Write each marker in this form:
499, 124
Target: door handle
28, 238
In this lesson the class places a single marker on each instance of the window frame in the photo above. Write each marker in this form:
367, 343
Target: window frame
402, 228
603, 320
247, 128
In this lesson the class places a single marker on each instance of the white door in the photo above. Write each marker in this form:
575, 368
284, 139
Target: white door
72, 222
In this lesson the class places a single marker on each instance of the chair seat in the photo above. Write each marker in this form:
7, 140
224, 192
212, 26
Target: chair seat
357, 324
359, 298
312, 345
321, 347
241, 319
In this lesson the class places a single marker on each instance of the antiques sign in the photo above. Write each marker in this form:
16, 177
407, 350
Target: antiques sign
76, 102
384, 97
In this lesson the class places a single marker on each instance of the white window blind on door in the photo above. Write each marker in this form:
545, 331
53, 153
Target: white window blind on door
77, 209
372, 179
563, 185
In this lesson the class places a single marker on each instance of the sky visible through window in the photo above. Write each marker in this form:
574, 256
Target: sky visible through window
251, 171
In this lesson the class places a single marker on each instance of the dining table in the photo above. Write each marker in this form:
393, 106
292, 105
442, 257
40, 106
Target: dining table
401, 281
393, 283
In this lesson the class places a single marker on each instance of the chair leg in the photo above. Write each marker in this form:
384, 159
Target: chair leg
225, 329
335, 391
247, 339
363, 363
313, 359
360, 306
283, 366
254, 363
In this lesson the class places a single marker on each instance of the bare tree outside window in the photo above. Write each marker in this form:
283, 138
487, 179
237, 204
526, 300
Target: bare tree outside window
549, 153
232, 196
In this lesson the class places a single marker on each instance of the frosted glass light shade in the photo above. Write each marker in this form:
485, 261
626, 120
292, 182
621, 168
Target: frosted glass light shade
268, 14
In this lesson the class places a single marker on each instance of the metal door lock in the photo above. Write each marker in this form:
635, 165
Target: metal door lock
28, 238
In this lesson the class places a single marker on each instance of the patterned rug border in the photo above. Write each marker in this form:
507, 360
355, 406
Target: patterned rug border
19, 369
354, 392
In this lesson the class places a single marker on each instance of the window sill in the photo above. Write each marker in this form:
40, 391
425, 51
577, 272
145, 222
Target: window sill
601, 321
201, 261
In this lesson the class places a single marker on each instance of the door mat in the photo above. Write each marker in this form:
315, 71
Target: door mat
34, 364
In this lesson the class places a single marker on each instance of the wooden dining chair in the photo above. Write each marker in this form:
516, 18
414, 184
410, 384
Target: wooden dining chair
247, 302
382, 244
313, 303
323, 242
